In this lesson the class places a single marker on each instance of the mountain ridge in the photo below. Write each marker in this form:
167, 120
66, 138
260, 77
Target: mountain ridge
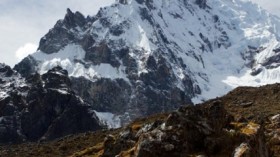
161, 54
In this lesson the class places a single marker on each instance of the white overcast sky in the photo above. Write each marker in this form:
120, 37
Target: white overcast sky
24, 22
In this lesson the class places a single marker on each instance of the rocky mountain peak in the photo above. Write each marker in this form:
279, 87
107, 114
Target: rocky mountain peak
63, 32
72, 20
56, 77
5, 70
161, 54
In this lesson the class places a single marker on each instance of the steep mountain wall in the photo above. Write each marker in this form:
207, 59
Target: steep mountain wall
138, 57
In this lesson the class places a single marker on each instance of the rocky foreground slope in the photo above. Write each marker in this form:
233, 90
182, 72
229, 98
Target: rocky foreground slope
243, 123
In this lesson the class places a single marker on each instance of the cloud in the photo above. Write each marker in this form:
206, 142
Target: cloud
25, 50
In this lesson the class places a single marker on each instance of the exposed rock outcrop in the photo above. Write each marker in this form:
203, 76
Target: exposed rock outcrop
206, 130
42, 107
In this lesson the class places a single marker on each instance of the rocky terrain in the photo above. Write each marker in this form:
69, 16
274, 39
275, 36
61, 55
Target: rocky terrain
243, 123
41, 107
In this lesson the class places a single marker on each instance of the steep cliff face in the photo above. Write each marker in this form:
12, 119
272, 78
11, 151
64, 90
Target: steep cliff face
138, 57
41, 107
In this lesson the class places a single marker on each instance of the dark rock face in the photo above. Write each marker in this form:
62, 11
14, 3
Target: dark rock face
87, 42
27, 66
56, 78
272, 62
147, 93
201, 3
148, 3
63, 32
43, 107
59, 35
101, 54
6, 71
74, 19
276, 50
117, 96
105, 95
123, 1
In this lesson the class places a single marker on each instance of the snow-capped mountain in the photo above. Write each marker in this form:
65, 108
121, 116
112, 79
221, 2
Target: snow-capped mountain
138, 57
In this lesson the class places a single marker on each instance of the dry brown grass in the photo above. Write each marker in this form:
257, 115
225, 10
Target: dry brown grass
128, 153
94, 151
250, 129
80, 145
136, 127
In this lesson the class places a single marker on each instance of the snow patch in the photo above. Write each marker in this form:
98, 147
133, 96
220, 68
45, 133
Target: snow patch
3, 95
1, 119
275, 117
67, 58
70, 52
61, 91
240, 150
109, 119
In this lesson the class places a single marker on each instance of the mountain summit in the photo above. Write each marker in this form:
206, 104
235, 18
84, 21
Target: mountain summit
138, 57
